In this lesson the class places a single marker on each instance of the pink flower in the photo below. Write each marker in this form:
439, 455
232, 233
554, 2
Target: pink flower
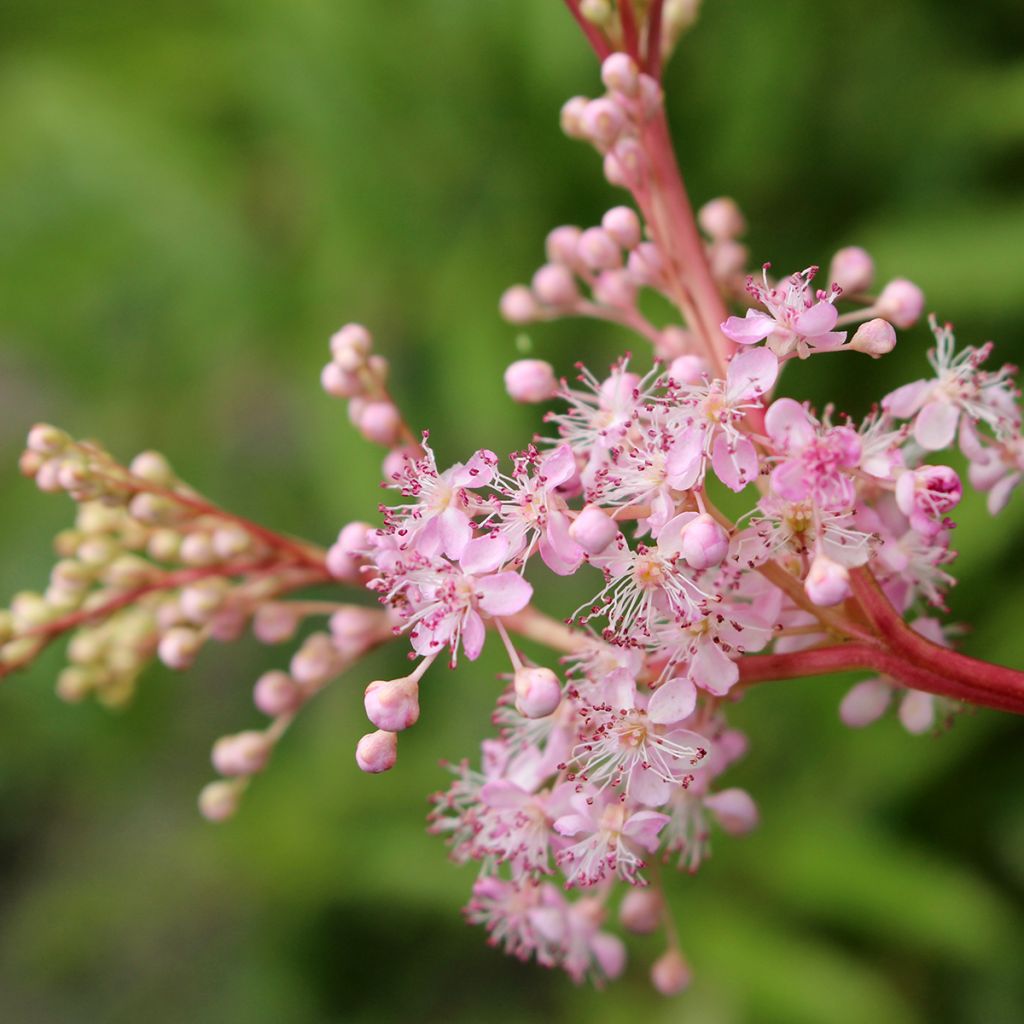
924, 495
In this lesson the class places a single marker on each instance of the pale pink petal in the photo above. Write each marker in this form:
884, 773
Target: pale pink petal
789, 425
620, 689
827, 342
473, 633
935, 426
557, 467
917, 712
501, 794
559, 552
712, 670
610, 953
1000, 493
905, 401
735, 465
821, 317
734, 810
643, 828
865, 703
477, 472
685, 461
752, 373
573, 825
505, 593
749, 330
647, 788
789, 480
673, 701
670, 536
484, 554
456, 532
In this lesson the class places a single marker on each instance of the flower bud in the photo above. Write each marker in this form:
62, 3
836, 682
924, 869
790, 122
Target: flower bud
651, 96
75, 683
153, 468
687, 369
593, 529
29, 610
201, 600
615, 288
517, 305
727, 258
902, 302
560, 245
244, 753
127, 572
876, 338
275, 622
917, 712
641, 910
865, 703
379, 422
316, 662
218, 800
602, 121
597, 12
625, 164
538, 692
598, 250
197, 549
703, 543
178, 647
351, 338
571, 117
340, 383
554, 285
622, 223
164, 545
354, 629
393, 704
377, 752
530, 380
154, 510
734, 810
721, 219
46, 440
670, 973
852, 269
828, 582
646, 264
276, 693
619, 73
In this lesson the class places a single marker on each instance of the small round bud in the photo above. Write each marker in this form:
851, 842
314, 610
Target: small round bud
351, 339
560, 244
379, 422
201, 600
687, 369
852, 269
29, 464
554, 285
704, 543
670, 973
902, 302
646, 264
47, 474
598, 250
46, 440
163, 545
153, 468
97, 552
625, 164
197, 549
597, 12
377, 752
619, 73
622, 223
127, 572
29, 610
518, 305
339, 383
828, 582
571, 117
276, 693
734, 810
615, 288
876, 338
865, 703
178, 647
354, 629
231, 541
641, 910
316, 662
530, 380
393, 704
593, 529
727, 258
538, 692
155, 510
275, 622
75, 683
917, 712
721, 219
218, 800
602, 121
244, 753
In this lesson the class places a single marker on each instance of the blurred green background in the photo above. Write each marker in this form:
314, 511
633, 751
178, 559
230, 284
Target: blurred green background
192, 197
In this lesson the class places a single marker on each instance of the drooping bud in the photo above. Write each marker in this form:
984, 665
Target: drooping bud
517, 305
244, 753
378, 421
876, 338
276, 693
153, 468
721, 219
593, 529
704, 543
178, 647
554, 285
828, 582
571, 117
393, 704
902, 302
641, 910
598, 250
615, 288
219, 800
619, 73
670, 973
853, 269
622, 223
538, 691
560, 244
377, 752
530, 380
602, 120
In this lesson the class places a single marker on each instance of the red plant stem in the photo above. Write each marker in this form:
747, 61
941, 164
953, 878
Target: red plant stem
630, 36
980, 675
594, 35
653, 62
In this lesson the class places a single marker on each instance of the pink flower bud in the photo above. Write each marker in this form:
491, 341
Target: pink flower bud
721, 219
153, 468
704, 543
178, 647
560, 245
571, 117
199, 601
615, 288
734, 810
593, 529
316, 662
518, 305
341, 565
852, 269
926, 494
865, 703
727, 258
598, 250
393, 704
340, 383
827, 583
354, 537
377, 752
538, 692
640, 911
620, 74
353, 629
46, 440
651, 97
917, 712
218, 800
602, 121
646, 264
351, 339
276, 693
876, 338
670, 973
245, 753
530, 380
687, 369
625, 164
197, 549
379, 422
622, 223
554, 285
902, 302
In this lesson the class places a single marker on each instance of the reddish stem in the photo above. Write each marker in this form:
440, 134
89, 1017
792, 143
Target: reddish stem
595, 37
630, 36
653, 62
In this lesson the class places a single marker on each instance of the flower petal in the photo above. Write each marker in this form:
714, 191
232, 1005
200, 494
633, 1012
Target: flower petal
819, 319
673, 701
789, 425
752, 373
749, 330
505, 593
935, 426
734, 464
484, 554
